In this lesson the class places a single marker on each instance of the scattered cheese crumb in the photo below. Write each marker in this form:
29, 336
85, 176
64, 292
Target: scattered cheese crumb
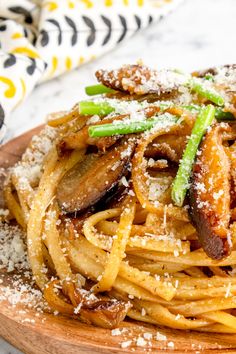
141, 342
13, 254
160, 336
124, 181
170, 345
126, 344
147, 336
116, 332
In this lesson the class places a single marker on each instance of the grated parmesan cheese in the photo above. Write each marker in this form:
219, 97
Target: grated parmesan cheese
160, 336
126, 344
13, 254
141, 342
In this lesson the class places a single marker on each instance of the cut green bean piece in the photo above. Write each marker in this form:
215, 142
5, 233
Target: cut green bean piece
98, 90
181, 182
90, 108
129, 128
208, 94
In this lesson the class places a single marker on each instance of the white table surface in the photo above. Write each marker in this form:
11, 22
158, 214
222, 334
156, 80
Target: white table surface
199, 34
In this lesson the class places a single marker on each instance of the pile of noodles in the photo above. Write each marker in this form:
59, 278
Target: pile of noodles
137, 250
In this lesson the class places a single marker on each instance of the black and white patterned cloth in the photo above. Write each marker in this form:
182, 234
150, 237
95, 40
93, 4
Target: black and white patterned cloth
41, 39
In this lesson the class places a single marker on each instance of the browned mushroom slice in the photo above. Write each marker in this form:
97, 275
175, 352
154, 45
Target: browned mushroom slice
139, 80
99, 311
87, 182
210, 194
105, 313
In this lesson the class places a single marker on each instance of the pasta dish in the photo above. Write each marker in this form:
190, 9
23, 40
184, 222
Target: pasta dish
129, 201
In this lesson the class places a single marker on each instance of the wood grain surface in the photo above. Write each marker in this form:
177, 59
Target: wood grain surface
49, 334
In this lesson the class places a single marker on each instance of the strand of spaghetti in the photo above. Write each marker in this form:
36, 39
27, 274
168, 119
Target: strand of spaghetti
81, 261
185, 231
136, 315
99, 258
195, 308
153, 239
199, 293
161, 243
13, 206
157, 268
220, 317
24, 193
217, 328
163, 316
196, 258
205, 282
117, 253
156, 242
63, 269
92, 266
155, 286
53, 172
90, 232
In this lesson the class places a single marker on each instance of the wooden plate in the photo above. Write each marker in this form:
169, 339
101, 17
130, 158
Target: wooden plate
49, 334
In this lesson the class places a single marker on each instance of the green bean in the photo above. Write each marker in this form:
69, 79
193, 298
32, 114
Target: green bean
90, 108
129, 128
98, 90
208, 94
181, 182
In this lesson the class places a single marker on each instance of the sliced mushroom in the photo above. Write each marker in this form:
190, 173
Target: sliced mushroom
210, 194
106, 314
140, 80
87, 182
99, 311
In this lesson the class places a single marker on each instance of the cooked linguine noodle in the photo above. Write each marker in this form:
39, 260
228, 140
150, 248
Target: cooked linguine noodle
106, 238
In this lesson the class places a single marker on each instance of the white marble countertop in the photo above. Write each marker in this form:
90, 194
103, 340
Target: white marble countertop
198, 34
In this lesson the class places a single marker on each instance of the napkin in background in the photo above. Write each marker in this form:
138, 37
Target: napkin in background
41, 39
